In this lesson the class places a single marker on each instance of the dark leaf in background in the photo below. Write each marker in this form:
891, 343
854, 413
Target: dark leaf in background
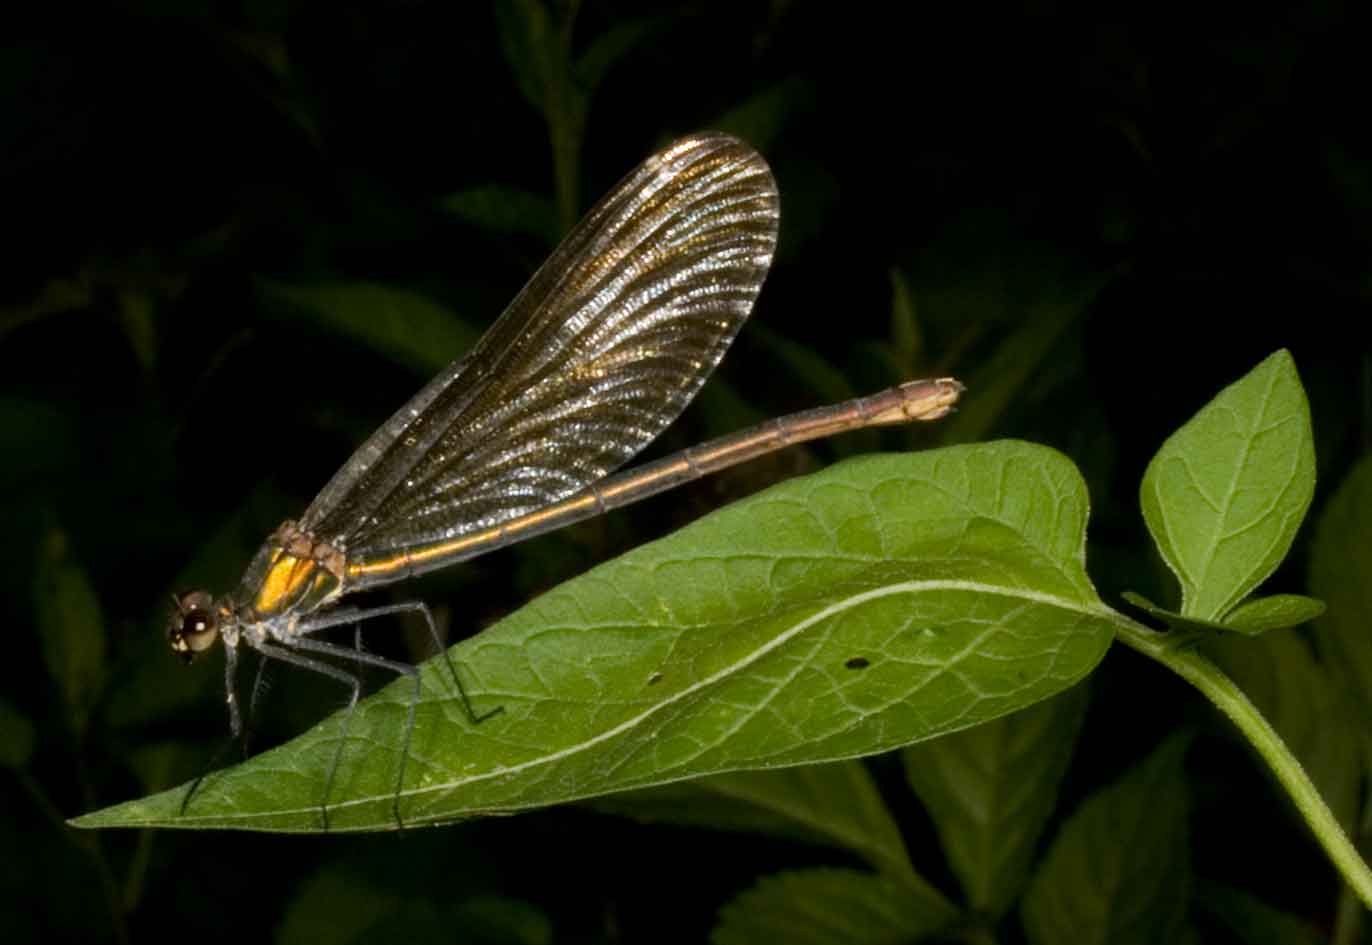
992, 788
830, 907
1119, 870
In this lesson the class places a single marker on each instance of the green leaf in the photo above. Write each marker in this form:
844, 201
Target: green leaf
163, 763
1225, 495
410, 328
1341, 573
991, 789
1253, 921
886, 600
759, 120
907, 337
505, 210
1252, 618
1277, 612
532, 48
1172, 619
502, 920
41, 444
836, 804
829, 907
17, 737
137, 317
70, 628
609, 48
827, 382
58, 297
1002, 381
342, 904
1296, 694
1119, 870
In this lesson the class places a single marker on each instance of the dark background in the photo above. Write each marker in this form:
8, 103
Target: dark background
218, 217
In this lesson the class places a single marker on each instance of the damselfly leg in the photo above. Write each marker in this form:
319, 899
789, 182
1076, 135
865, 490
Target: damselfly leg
328, 620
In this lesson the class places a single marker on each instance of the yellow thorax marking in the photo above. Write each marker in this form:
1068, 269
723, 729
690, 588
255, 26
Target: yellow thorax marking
286, 582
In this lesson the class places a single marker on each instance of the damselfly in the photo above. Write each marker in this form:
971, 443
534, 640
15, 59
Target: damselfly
604, 347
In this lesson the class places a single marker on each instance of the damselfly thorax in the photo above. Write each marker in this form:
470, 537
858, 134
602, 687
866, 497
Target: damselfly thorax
291, 576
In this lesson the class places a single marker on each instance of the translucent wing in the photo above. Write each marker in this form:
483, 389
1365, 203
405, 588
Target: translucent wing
604, 347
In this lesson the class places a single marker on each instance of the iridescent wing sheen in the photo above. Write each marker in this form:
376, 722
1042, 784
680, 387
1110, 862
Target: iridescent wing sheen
604, 347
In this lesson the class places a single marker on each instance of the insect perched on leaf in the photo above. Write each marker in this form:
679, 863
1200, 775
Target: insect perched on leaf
595, 357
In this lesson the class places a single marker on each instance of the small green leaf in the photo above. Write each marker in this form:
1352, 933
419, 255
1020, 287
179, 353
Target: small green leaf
336, 907
162, 763
1225, 495
836, 804
17, 737
1253, 921
410, 328
610, 47
1002, 381
70, 627
1277, 612
990, 790
1119, 871
136, 316
501, 920
505, 210
532, 48
907, 338
344, 904
760, 119
886, 600
41, 442
1172, 619
1341, 573
826, 381
58, 297
1252, 618
829, 907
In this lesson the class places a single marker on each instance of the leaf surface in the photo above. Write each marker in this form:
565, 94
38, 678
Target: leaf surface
1225, 494
1119, 871
990, 790
883, 601
836, 804
829, 907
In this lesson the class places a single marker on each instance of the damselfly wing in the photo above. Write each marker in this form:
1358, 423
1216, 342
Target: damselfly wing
599, 353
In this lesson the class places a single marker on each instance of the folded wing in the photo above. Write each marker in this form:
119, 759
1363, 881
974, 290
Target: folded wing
603, 348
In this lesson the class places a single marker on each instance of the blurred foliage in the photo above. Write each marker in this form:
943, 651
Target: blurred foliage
1097, 222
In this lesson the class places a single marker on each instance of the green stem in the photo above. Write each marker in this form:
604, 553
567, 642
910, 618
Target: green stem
1192, 665
1348, 918
565, 115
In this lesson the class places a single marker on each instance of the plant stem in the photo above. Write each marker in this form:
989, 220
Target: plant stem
1193, 666
1348, 918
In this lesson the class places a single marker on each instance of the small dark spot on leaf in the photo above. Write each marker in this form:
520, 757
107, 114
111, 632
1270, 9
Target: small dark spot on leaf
858, 662
654, 679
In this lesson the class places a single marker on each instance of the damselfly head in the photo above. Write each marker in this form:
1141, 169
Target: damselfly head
194, 624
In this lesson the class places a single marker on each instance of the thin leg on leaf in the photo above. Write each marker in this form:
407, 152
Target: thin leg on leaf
235, 724
370, 659
258, 687
288, 655
343, 616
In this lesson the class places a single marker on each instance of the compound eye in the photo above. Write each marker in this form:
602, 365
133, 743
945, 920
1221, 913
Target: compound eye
194, 626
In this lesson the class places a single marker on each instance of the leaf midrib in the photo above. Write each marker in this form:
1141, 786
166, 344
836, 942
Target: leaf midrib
905, 587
